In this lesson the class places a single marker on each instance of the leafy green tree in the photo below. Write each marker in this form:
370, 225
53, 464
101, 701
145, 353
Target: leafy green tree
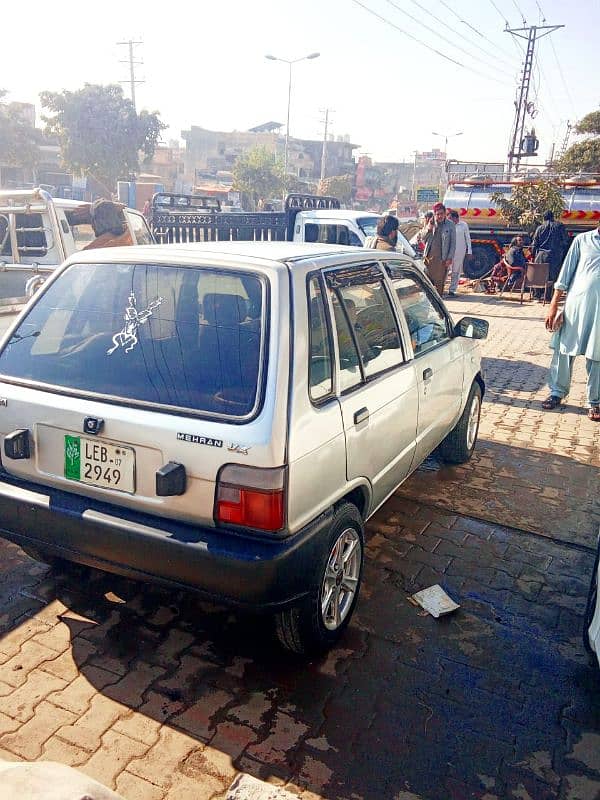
100, 132
18, 139
339, 186
528, 202
584, 156
259, 175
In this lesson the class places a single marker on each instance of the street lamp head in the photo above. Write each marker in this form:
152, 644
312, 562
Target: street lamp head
313, 55
272, 58
460, 133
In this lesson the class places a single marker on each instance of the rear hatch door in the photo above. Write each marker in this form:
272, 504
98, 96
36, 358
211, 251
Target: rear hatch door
122, 370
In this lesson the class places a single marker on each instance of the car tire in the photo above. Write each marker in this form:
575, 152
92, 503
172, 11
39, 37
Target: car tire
315, 625
458, 446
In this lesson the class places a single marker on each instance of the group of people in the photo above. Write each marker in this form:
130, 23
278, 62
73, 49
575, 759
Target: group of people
445, 239
575, 327
549, 245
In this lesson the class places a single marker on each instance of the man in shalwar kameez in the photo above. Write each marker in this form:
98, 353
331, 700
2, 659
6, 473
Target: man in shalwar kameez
579, 333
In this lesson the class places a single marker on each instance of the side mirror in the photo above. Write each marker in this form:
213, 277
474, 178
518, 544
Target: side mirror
472, 328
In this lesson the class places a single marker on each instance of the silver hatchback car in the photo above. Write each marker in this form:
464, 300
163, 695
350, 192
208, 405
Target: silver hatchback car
226, 417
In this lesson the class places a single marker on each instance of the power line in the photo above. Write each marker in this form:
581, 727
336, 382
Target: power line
458, 33
472, 27
501, 14
424, 44
564, 82
542, 15
519, 12
444, 38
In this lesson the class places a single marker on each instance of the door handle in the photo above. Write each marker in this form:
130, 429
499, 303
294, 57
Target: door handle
427, 373
361, 415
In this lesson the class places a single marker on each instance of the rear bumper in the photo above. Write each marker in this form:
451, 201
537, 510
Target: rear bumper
223, 565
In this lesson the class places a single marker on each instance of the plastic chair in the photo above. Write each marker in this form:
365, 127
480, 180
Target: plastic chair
537, 277
513, 277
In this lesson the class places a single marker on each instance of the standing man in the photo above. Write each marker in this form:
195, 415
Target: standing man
463, 248
440, 243
578, 333
549, 244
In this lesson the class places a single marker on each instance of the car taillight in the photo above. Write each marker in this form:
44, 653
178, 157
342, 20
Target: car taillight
252, 497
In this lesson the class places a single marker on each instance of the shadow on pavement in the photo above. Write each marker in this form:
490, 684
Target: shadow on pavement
523, 488
495, 698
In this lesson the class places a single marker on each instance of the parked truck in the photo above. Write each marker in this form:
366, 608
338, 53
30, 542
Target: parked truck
490, 233
306, 218
37, 233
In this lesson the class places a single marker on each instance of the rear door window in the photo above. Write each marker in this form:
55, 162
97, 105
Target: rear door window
187, 338
320, 372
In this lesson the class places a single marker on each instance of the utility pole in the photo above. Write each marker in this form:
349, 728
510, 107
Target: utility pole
531, 34
565, 142
132, 64
413, 192
324, 150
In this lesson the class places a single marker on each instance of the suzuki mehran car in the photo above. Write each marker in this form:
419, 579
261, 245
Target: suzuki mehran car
225, 417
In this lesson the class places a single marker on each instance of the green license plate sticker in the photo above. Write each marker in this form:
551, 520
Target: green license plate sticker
73, 457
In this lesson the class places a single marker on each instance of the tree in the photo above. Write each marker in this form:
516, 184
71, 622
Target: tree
100, 132
584, 156
259, 175
339, 186
18, 140
528, 202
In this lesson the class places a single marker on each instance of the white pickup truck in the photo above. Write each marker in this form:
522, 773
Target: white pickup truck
179, 218
38, 232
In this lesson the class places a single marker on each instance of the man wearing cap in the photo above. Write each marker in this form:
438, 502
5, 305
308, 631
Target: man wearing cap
440, 244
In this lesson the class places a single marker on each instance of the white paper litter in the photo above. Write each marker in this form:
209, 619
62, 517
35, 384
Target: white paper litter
435, 600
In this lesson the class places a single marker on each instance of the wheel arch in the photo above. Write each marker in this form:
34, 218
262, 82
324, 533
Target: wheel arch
359, 496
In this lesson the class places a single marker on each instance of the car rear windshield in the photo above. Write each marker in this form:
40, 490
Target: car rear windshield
185, 337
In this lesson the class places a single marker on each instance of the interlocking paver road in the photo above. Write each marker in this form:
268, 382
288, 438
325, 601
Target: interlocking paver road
161, 697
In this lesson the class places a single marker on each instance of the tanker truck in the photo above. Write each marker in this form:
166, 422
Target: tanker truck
490, 233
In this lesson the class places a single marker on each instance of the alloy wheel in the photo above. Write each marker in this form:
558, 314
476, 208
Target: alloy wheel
340, 581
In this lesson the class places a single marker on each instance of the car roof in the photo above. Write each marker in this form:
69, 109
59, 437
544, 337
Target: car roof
265, 257
341, 213
189, 254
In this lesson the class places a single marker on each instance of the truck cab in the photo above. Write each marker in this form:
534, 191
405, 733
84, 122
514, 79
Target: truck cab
343, 226
38, 232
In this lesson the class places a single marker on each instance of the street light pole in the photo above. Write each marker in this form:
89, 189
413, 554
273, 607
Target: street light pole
445, 137
290, 62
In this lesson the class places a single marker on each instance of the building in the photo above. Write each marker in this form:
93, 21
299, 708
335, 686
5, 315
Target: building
213, 151
209, 152
168, 164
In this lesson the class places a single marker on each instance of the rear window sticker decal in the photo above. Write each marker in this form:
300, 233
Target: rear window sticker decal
127, 336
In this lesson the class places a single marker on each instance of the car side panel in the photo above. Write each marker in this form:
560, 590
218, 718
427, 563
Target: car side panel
316, 443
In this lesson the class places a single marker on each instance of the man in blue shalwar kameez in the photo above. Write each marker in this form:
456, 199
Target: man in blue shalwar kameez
579, 333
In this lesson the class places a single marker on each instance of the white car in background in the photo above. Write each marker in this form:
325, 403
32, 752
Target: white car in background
591, 634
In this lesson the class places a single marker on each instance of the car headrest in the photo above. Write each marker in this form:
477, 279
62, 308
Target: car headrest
224, 309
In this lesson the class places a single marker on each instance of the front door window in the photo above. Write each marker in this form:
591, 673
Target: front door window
427, 323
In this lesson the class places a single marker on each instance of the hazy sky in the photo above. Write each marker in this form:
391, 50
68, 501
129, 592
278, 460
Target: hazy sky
204, 65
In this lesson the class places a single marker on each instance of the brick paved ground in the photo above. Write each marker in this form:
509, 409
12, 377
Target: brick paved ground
163, 698
533, 469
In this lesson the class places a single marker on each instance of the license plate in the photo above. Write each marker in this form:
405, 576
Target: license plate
100, 463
